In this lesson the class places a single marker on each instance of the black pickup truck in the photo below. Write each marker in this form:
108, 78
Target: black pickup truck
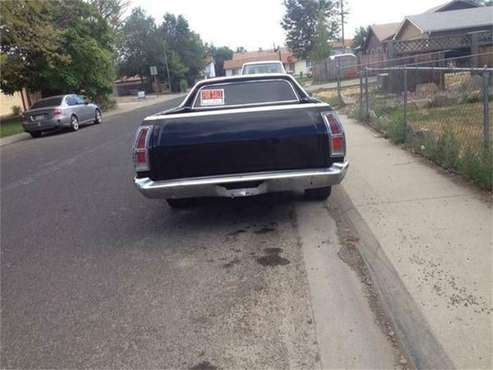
241, 136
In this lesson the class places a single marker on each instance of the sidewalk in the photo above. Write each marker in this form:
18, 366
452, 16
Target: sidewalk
124, 104
436, 232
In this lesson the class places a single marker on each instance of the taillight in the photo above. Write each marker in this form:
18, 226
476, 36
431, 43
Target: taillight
336, 134
141, 152
57, 112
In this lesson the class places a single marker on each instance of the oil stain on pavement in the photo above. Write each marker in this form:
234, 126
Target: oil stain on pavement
272, 258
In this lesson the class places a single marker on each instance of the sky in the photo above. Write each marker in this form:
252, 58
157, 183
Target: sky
255, 24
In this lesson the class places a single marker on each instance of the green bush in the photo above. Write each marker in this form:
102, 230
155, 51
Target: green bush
16, 110
105, 103
477, 165
396, 131
183, 85
446, 151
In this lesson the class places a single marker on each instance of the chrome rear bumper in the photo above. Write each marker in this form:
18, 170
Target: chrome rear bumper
260, 183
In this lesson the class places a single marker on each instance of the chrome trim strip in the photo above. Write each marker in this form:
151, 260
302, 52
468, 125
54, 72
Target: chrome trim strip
331, 135
237, 110
272, 181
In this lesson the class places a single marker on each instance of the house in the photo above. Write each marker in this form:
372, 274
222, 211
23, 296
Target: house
338, 47
464, 34
445, 23
209, 70
374, 49
453, 5
291, 63
130, 85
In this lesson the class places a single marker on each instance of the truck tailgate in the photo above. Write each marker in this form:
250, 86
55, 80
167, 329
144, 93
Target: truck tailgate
215, 144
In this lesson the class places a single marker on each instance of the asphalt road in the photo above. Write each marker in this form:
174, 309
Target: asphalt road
93, 275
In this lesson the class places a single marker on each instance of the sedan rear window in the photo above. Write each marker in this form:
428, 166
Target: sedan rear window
245, 93
48, 102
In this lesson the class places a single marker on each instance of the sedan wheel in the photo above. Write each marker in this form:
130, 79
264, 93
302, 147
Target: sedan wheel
74, 123
98, 118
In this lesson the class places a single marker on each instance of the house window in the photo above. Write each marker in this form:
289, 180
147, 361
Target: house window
308, 63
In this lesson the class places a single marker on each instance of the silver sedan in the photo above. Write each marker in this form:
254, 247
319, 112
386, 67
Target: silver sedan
58, 112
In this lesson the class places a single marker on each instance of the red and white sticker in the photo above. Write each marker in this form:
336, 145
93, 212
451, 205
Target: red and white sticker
212, 97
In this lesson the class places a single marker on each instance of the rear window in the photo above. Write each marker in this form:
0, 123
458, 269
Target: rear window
245, 93
48, 102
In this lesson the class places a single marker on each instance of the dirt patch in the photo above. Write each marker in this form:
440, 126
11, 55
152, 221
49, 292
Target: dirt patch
272, 258
264, 230
272, 250
204, 365
231, 263
236, 232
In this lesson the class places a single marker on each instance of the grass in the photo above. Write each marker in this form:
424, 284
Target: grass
303, 80
10, 127
451, 136
331, 97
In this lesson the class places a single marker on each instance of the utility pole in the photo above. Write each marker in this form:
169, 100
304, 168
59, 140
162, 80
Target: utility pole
167, 66
342, 24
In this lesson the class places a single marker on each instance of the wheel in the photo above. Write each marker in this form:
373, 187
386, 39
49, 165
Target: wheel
35, 134
181, 203
98, 118
318, 193
74, 123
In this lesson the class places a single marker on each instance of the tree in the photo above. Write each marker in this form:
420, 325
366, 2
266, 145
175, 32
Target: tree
241, 49
301, 20
359, 38
185, 43
29, 43
220, 55
55, 47
320, 43
111, 11
141, 45
87, 40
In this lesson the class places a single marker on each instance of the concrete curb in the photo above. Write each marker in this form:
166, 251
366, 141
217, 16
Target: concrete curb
14, 139
412, 329
24, 136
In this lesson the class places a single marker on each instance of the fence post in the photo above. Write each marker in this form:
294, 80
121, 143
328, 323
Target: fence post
339, 80
360, 93
367, 103
405, 100
486, 109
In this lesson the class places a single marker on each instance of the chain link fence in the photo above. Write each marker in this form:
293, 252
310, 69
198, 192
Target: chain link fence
442, 113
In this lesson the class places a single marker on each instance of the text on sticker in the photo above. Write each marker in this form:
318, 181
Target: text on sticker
212, 97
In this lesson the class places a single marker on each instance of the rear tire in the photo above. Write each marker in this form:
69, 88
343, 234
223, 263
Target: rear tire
181, 203
74, 123
318, 193
98, 118
35, 134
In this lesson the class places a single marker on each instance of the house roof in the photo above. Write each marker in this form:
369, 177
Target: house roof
385, 31
451, 20
338, 43
257, 56
465, 4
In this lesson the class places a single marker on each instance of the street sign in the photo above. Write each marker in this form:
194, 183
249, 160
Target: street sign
153, 70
